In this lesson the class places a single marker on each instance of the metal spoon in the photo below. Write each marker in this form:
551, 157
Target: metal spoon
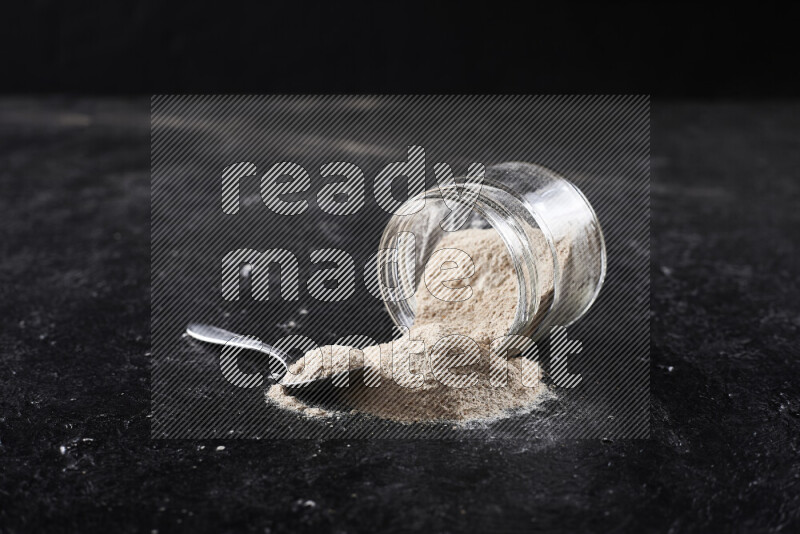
219, 336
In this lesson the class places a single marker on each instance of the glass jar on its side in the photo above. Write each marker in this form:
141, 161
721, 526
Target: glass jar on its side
548, 226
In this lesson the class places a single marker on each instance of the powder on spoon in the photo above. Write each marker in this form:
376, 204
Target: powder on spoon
408, 388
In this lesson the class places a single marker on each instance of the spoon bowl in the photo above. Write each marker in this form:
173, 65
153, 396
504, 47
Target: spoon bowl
308, 388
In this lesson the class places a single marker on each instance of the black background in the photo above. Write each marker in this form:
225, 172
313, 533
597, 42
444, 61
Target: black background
75, 454
664, 49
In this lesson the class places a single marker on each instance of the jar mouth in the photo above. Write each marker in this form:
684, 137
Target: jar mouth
498, 216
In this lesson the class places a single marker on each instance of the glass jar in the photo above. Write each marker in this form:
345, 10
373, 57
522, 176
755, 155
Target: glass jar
549, 228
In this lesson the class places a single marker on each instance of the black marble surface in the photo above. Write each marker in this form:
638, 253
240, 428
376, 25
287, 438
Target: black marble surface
75, 455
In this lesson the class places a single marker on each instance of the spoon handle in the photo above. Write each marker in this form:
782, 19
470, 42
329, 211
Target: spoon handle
219, 336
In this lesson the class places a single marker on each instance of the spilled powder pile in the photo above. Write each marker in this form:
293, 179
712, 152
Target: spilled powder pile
401, 380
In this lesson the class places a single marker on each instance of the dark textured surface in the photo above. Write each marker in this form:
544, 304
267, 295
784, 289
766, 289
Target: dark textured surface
74, 378
605, 153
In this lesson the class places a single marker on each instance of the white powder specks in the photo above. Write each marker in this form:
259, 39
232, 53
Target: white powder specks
417, 377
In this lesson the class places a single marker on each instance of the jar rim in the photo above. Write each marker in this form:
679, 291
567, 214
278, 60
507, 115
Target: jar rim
501, 220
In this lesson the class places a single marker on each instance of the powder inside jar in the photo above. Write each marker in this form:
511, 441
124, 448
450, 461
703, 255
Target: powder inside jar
416, 377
